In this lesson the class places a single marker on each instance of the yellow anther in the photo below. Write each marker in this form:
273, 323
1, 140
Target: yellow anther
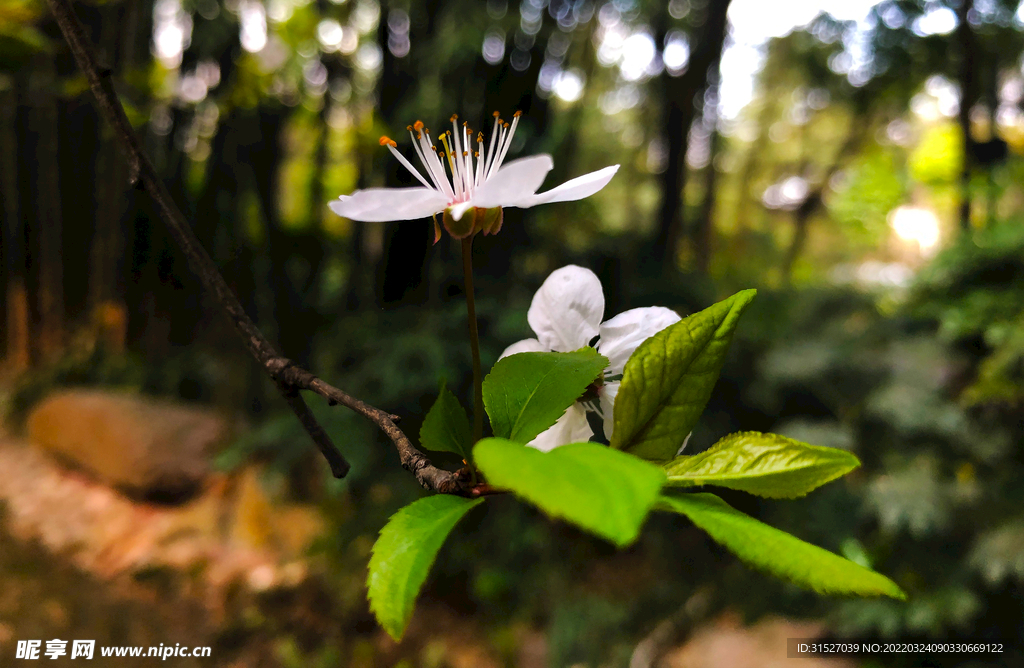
476, 154
480, 138
387, 141
465, 153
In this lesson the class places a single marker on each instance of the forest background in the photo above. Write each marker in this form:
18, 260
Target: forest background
862, 169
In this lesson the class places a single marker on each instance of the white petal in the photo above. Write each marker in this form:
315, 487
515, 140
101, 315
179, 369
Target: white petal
606, 397
572, 427
621, 335
376, 205
459, 209
683, 446
514, 182
566, 311
573, 189
525, 346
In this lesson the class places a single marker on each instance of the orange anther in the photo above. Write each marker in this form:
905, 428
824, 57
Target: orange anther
517, 114
387, 141
496, 114
418, 125
409, 128
454, 118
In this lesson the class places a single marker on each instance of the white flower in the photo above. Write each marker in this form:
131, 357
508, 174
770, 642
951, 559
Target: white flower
566, 315
478, 178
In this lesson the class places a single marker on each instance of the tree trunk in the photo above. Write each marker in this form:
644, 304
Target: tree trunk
46, 237
402, 276
801, 223
703, 227
968, 95
682, 104
12, 245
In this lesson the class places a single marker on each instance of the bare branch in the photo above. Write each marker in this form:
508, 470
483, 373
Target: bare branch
288, 377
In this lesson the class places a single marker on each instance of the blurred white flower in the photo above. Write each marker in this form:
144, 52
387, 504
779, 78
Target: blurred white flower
566, 315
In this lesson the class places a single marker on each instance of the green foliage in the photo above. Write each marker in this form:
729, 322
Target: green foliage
668, 380
403, 554
524, 394
976, 290
872, 188
446, 427
937, 159
19, 44
777, 552
767, 465
606, 492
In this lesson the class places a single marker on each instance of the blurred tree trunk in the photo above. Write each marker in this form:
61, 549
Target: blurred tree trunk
289, 252
126, 31
682, 103
514, 90
48, 233
968, 96
859, 132
359, 291
801, 223
12, 243
704, 227
402, 278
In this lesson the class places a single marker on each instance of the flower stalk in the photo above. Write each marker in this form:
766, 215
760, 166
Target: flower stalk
474, 339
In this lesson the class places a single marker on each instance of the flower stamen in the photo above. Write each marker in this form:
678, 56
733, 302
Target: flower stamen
468, 169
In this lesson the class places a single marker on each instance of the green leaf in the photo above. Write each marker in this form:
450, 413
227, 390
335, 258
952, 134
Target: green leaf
669, 377
446, 427
606, 492
526, 393
777, 552
403, 554
764, 464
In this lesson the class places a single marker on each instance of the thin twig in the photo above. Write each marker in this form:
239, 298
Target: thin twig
673, 629
288, 377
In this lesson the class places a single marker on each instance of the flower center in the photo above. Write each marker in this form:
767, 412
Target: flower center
467, 169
